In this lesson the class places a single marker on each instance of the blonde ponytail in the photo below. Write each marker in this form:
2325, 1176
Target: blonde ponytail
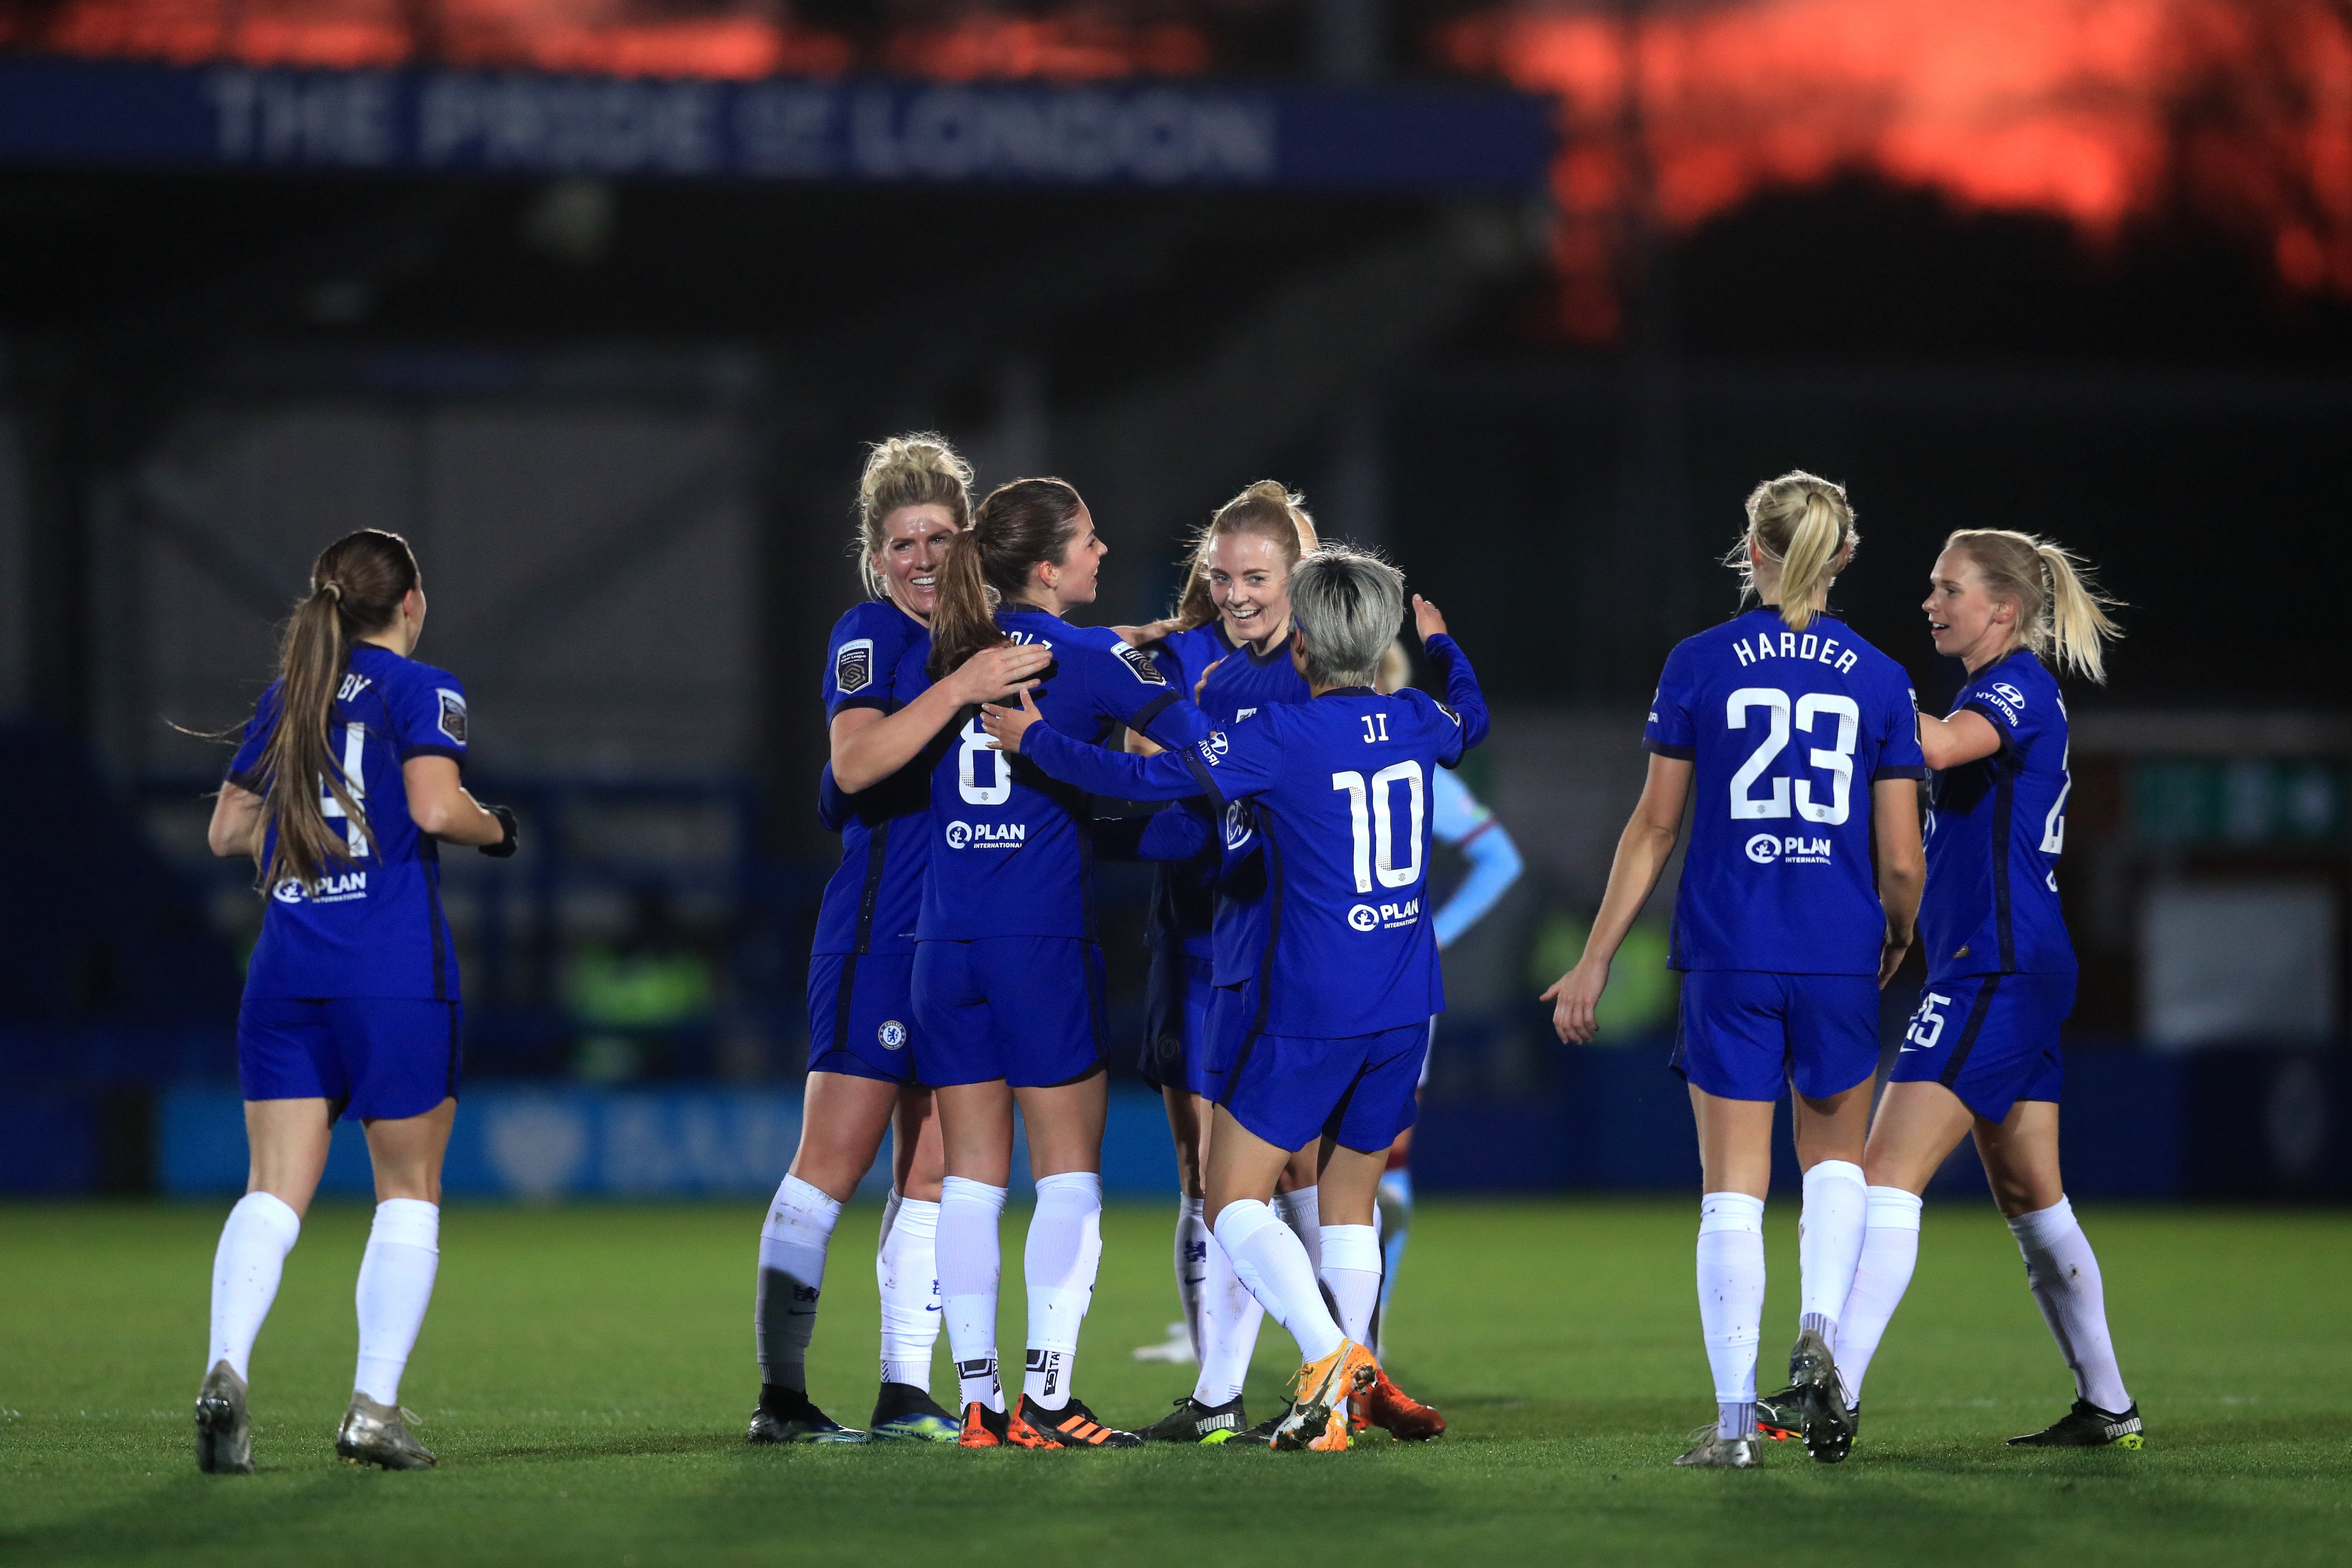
1802, 524
2062, 614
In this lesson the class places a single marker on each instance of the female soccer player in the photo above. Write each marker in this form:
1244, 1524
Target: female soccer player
1341, 1008
345, 784
1981, 1054
914, 497
1459, 821
1231, 646
1783, 718
1008, 976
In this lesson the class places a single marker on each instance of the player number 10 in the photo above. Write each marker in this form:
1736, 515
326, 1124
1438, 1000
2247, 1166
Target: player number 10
1373, 820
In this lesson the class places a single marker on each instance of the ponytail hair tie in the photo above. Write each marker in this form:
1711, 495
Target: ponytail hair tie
334, 590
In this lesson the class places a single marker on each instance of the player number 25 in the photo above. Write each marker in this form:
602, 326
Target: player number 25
1375, 828
1837, 759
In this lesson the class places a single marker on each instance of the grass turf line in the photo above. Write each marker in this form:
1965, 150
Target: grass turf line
585, 1375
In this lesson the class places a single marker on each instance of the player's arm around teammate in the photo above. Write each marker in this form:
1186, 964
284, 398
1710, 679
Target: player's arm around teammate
1981, 1054
345, 784
1777, 721
1334, 1053
1008, 974
913, 496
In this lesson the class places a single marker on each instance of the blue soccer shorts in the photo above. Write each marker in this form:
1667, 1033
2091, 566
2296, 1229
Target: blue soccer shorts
1176, 1022
1744, 1034
1993, 1039
1028, 1009
1293, 1090
861, 1010
370, 1058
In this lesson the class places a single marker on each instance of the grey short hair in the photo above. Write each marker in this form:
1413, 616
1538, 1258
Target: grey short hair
1348, 604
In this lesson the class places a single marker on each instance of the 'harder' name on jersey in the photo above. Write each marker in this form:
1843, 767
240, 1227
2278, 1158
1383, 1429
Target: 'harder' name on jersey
1812, 645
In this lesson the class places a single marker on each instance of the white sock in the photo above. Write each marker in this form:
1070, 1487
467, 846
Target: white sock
403, 1253
2064, 1275
1191, 1265
1351, 1271
792, 1242
971, 1258
1230, 1318
1060, 1261
1272, 1262
906, 1267
1731, 1302
1829, 1244
1890, 1250
254, 1241
1303, 1212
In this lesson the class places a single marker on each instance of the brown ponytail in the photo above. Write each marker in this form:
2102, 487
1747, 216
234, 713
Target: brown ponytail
1020, 525
356, 588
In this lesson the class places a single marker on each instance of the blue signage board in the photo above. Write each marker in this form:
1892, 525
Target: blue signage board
1135, 135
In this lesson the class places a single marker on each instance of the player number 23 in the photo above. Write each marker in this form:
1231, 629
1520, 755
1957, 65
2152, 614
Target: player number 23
1374, 818
1837, 760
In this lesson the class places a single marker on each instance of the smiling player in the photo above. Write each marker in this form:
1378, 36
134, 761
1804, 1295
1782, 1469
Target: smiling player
1799, 739
1348, 978
1981, 1055
1008, 972
913, 498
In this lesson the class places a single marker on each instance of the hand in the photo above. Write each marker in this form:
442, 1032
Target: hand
1427, 620
994, 674
1149, 631
1575, 995
508, 840
1203, 684
1006, 726
1890, 954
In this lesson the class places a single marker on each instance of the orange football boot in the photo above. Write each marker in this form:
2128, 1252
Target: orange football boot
1320, 1392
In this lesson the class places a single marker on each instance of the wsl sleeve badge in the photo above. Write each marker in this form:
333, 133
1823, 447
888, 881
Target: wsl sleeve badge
1146, 668
852, 665
453, 714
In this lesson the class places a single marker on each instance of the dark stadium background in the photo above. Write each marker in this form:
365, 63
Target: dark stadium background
1992, 265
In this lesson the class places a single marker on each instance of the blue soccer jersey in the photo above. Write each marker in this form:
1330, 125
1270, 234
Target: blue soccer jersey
1340, 784
1789, 731
1011, 849
1246, 684
1995, 832
1184, 897
872, 899
371, 927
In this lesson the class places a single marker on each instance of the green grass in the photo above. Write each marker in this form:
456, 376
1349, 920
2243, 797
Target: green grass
585, 1374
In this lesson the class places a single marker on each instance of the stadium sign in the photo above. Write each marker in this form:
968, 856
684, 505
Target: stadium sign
1155, 135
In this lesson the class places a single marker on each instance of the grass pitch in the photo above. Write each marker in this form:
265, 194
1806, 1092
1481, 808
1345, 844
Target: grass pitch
585, 1375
